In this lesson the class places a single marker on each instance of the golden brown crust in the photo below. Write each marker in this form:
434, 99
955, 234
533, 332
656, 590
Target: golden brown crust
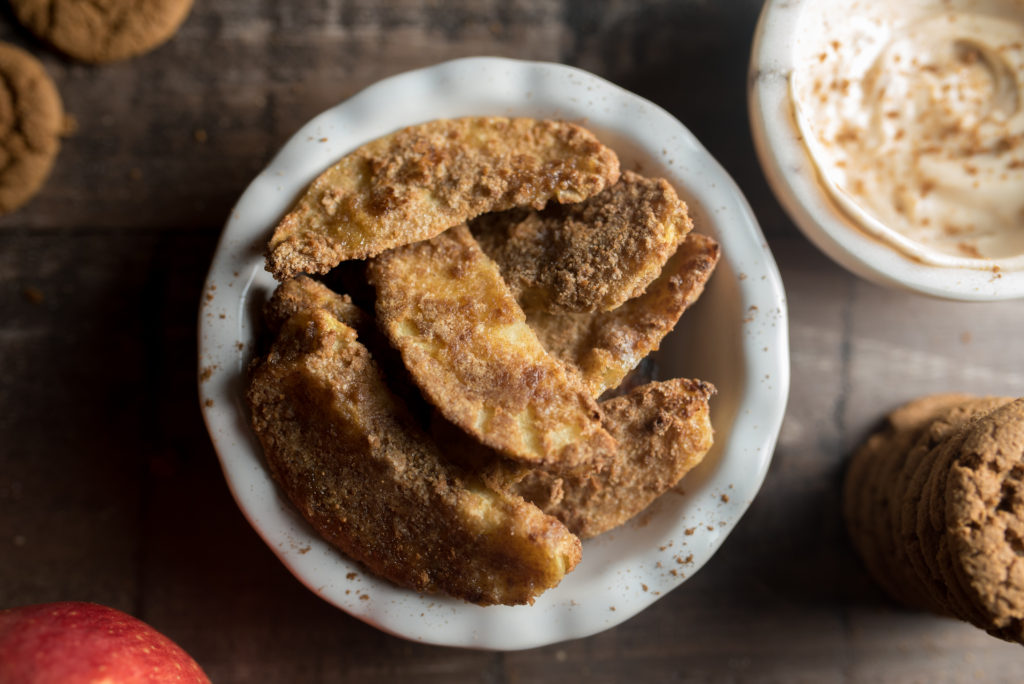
663, 430
465, 451
31, 123
589, 256
102, 31
465, 341
417, 182
301, 293
343, 449
604, 347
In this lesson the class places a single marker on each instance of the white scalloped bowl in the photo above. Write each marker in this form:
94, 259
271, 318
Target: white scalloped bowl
735, 337
787, 32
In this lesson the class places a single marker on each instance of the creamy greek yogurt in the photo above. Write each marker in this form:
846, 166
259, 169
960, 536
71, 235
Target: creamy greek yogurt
913, 115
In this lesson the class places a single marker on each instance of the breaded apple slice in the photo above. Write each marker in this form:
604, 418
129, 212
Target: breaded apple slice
465, 341
344, 450
605, 346
419, 181
589, 256
663, 430
301, 293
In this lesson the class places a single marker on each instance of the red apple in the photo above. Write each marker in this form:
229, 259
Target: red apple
72, 642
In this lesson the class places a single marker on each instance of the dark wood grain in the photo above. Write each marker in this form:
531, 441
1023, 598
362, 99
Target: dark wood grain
109, 487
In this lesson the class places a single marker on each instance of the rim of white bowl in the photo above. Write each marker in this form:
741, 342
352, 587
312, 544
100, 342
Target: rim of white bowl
225, 341
792, 175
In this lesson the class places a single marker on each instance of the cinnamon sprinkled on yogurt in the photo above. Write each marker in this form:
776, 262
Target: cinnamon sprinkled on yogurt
915, 122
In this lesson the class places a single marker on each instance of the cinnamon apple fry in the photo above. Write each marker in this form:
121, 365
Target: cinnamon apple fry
605, 346
301, 293
663, 430
466, 343
417, 182
589, 256
344, 450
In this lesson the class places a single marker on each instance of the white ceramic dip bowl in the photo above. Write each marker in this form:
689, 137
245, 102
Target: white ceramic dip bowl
734, 337
896, 88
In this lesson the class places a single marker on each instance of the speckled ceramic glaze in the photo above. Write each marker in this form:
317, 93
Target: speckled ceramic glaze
735, 337
787, 32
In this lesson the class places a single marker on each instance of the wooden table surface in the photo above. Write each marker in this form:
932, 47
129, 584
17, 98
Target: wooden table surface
110, 490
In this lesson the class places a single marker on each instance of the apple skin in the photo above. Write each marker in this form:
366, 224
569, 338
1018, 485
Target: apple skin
72, 642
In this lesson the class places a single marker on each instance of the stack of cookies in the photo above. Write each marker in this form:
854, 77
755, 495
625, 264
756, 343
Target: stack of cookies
32, 119
934, 503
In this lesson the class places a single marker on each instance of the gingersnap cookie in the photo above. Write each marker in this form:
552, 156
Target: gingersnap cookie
899, 429
31, 122
984, 515
867, 493
102, 30
931, 524
957, 588
907, 546
917, 461
934, 410
879, 500
932, 543
919, 540
857, 509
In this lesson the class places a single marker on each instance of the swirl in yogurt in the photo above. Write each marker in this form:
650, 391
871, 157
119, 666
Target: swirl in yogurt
918, 134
